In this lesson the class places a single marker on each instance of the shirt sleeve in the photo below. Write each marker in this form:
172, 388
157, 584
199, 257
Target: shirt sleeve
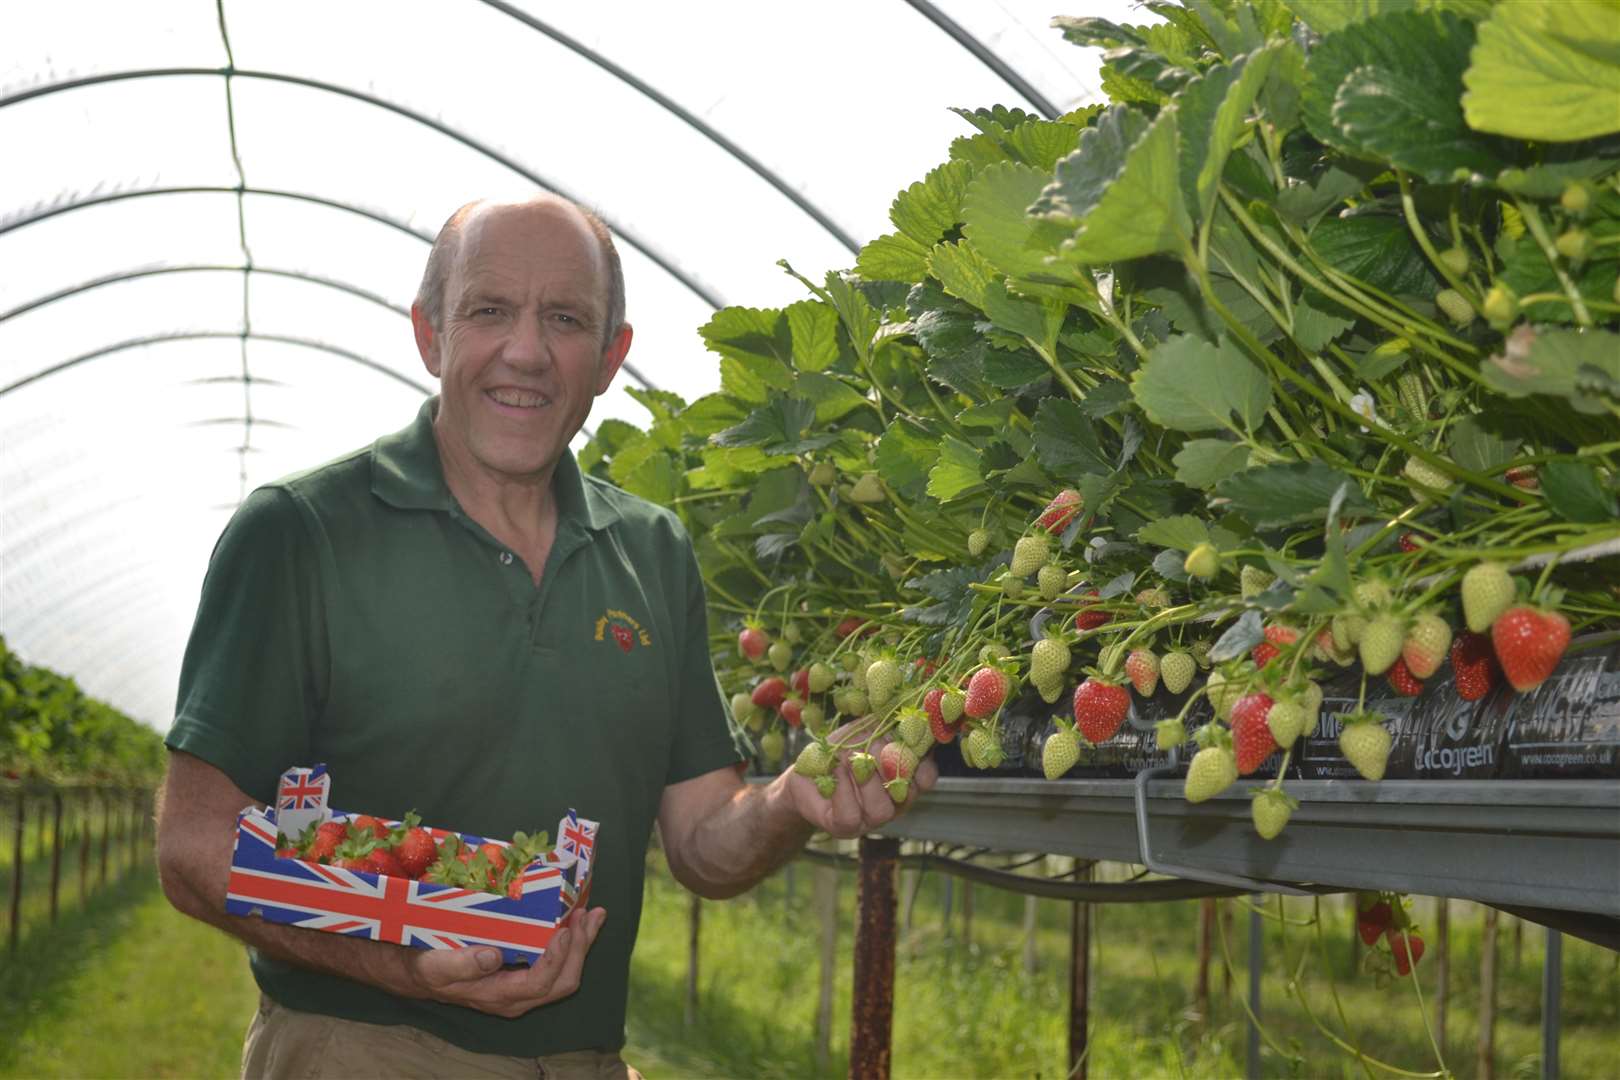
254, 677
703, 737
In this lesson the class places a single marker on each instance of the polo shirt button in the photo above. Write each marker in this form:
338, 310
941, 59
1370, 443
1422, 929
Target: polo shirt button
506, 558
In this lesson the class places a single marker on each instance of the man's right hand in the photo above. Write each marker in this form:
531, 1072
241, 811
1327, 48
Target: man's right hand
474, 977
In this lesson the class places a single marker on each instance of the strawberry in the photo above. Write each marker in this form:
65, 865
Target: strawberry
1223, 693
1427, 640
925, 667
780, 654
987, 689
882, 682
1169, 733
1277, 636
827, 785
1251, 738
1177, 670
1049, 580
772, 744
1402, 681
1061, 752
1473, 665
851, 625
495, 853
868, 489
1263, 653
952, 706
753, 642
327, 838
819, 677
1142, 668
1529, 643
1088, 618
1487, 591
814, 760
1286, 719
811, 716
943, 730
742, 706
1409, 542
1060, 511
1455, 305
1202, 561
384, 861
800, 681
1426, 479
1381, 642
1364, 741
769, 693
792, 710
1373, 919
915, 730
1100, 707
1048, 661
416, 852
977, 541
896, 765
1154, 599
861, 766
1524, 477
1406, 947
1030, 554
366, 824
1270, 810
851, 702
1252, 581
1212, 771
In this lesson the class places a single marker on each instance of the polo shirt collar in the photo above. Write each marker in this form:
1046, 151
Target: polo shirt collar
406, 472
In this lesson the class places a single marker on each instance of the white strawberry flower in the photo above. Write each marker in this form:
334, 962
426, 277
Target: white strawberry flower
1362, 405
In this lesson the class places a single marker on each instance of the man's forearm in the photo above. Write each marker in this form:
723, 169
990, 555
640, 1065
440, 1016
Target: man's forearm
748, 836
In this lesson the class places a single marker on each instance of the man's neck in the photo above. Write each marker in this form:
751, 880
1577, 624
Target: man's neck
519, 512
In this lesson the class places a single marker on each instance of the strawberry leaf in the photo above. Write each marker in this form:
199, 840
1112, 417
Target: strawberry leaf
1575, 493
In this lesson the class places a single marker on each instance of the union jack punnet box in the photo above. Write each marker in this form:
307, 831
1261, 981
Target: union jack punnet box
420, 914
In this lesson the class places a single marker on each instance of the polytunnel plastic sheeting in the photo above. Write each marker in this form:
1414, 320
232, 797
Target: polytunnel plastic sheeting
155, 151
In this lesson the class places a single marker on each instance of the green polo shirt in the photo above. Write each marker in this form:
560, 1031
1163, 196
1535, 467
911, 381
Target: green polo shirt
353, 615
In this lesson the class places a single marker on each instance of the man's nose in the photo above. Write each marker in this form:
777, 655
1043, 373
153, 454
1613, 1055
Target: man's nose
528, 344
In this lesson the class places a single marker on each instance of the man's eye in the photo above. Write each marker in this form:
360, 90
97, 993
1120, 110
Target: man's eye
565, 317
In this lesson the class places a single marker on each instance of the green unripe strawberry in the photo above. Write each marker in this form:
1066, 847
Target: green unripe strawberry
1223, 693
1176, 671
852, 662
1052, 692
1048, 662
951, 705
821, 677
824, 474
1487, 591
992, 651
1420, 472
1365, 742
1286, 719
855, 703
977, 541
780, 655
1060, 754
898, 789
1030, 554
742, 706
827, 785
1270, 811
882, 682
1456, 260
862, 765
1202, 561
814, 760
1455, 305
1371, 595
771, 745
1012, 586
1154, 599
1381, 642
1575, 198
969, 758
1500, 307
1252, 581
755, 721
986, 748
868, 489
1212, 771
1110, 656
1574, 244
914, 730
1050, 580
1200, 652
1169, 734
813, 717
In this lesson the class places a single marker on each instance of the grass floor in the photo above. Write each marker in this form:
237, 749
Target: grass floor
127, 987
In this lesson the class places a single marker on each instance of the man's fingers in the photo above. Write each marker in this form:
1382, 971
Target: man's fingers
581, 938
442, 968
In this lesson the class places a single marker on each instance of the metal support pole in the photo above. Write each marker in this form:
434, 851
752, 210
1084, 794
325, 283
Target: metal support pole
1552, 992
872, 1012
1079, 982
17, 873
56, 850
1256, 959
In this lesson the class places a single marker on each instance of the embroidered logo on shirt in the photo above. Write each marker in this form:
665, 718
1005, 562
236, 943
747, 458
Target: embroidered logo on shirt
626, 631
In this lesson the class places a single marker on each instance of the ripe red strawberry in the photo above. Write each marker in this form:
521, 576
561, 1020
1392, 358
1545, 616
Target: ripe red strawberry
800, 681
1473, 665
1142, 668
1523, 476
1529, 643
851, 625
365, 823
383, 861
896, 764
327, 838
416, 852
792, 710
1409, 542
943, 730
1251, 735
753, 642
1060, 511
987, 689
1372, 921
1402, 681
1406, 947
1264, 653
354, 862
1089, 618
1100, 707
768, 694
495, 853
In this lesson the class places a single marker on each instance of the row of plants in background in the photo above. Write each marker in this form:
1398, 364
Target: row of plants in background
52, 733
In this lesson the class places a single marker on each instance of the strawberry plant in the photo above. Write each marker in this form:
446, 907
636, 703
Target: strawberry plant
1301, 355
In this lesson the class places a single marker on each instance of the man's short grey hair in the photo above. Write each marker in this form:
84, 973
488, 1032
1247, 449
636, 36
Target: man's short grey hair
447, 245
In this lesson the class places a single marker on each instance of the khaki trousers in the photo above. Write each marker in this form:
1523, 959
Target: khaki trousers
285, 1044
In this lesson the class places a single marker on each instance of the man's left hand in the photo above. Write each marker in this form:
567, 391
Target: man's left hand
855, 809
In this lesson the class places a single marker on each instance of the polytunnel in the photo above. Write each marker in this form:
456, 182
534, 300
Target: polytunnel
213, 218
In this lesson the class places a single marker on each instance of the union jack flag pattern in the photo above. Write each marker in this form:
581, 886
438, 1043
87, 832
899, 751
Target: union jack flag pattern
301, 799
416, 913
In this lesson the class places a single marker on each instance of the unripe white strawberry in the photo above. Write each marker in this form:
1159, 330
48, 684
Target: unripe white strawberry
914, 730
1381, 642
950, 706
771, 745
1177, 670
814, 760
986, 748
821, 678
977, 541
1487, 591
1060, 754
780, 654
1212, 771
1030, 553
1286, 719
1252, 581
813, 717
868, 489
1048, 662
1365, 744
1270, 811
882, 682
1050, 580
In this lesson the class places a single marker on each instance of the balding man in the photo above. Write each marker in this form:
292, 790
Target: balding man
426, 617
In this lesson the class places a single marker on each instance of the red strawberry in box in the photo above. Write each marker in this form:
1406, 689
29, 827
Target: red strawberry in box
361, 875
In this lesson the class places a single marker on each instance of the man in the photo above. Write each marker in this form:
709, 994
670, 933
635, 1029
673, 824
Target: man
424, 616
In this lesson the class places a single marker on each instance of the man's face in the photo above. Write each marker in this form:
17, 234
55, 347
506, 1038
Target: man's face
520, 354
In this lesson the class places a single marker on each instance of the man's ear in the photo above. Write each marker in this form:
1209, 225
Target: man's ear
613, 358
426, 339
